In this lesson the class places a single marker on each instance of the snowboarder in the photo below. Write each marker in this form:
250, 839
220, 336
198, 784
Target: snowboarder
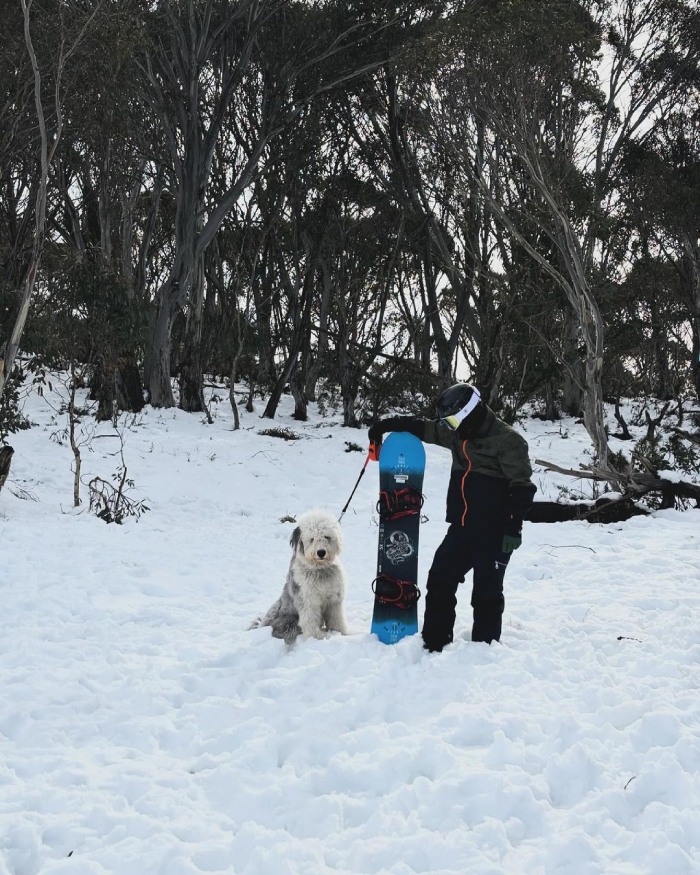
490, 491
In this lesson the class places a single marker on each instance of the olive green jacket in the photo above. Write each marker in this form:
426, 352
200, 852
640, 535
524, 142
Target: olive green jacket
491, 473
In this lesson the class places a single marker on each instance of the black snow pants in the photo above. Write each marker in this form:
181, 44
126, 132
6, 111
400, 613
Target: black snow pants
464, 549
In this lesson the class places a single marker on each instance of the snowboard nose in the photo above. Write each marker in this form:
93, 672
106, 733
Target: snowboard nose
321, 554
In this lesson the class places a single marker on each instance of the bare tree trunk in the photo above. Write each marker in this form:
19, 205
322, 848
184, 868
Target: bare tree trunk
5, 461
234, 373
436, 247
157, 366
232, 395
263, 296
693, 274
191, 379
573, 282
72, 422
572, 376
297, 386
47, 153
593, 410
550, 407
593, 334
318, 364
127, 379
349, 415
348, 391
662, 388
276, 394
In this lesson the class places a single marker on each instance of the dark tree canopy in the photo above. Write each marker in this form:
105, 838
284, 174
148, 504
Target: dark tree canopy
356, 201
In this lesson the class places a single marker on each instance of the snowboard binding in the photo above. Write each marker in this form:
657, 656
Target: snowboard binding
397, 503
403, 594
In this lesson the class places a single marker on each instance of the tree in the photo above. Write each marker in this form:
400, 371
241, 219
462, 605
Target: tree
49, 138
242, 71
662, 191
531, 75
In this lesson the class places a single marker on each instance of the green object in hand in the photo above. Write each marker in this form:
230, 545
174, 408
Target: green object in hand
510, 543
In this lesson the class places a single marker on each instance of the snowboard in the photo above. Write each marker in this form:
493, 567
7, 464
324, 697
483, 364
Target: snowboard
396, 594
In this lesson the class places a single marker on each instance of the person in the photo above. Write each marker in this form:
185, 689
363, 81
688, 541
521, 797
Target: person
489, 493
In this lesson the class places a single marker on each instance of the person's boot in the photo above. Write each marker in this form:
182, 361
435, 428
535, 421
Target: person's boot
439, 617
488, 619
434, 644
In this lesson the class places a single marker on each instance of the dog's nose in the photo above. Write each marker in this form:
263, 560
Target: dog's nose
320, 553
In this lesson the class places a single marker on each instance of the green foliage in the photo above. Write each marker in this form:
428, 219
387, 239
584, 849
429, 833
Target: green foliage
11, 419
670, 453
394, 386
618, 460
87, 313
686, 456
328, 397
111, 503
511, 411
655, 452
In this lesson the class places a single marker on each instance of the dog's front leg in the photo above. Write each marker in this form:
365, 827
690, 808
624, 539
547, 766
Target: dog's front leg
335, 618
310, 622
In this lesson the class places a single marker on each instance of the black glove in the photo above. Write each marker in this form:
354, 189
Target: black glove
413, 424
376, 430
519, 501
512, 524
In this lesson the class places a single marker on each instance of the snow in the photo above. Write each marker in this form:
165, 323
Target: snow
145, 731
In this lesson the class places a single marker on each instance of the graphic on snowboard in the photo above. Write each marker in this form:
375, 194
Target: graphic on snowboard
396, 594
398, 547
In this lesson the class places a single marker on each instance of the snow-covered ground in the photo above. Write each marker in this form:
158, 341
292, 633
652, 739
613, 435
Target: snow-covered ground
144, 731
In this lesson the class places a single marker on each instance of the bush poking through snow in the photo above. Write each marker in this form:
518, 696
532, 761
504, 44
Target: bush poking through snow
111, 503
285, 433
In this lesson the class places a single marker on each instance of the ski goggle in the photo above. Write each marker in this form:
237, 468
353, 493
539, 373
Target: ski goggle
456, 419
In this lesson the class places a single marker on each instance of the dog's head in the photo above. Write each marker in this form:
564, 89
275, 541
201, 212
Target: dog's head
317, 538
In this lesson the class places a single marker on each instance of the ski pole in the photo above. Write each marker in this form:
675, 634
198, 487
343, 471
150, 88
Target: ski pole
372, 456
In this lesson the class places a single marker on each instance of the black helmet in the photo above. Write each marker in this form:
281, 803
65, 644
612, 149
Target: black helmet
457, 403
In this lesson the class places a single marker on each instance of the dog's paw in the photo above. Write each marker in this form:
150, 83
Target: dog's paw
319, 634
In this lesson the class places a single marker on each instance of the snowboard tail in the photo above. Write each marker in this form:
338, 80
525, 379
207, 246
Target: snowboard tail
396, 593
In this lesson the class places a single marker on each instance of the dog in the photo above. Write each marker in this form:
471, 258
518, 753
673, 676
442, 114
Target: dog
313, 596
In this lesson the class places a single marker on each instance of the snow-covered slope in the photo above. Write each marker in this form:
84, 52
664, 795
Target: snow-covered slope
144, 731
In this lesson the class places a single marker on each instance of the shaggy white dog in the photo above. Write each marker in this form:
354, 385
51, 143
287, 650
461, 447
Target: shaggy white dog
313, 596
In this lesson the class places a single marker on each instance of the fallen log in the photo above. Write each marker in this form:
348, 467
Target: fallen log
604, 510
634, 484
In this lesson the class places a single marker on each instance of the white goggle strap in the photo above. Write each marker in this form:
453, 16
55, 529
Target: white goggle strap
454, 421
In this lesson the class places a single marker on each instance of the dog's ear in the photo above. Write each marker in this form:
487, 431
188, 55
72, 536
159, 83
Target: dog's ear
296, 538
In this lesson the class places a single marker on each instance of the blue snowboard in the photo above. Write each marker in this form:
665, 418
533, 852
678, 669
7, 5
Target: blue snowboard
401, 470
